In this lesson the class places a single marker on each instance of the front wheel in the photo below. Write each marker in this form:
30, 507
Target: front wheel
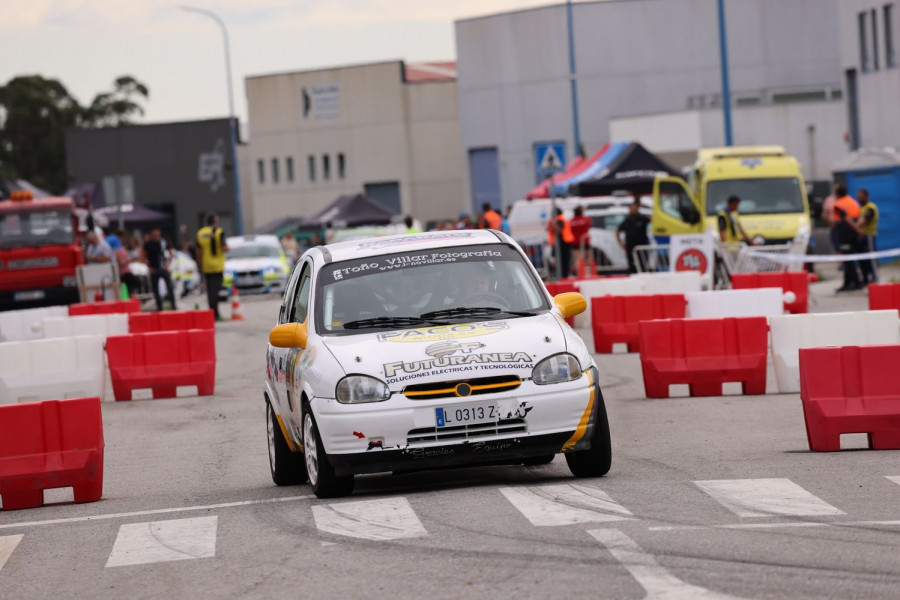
286, 466
596, 460
322, 479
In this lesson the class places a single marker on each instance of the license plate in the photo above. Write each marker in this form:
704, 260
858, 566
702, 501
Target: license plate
249, 281
469, 414
32, 295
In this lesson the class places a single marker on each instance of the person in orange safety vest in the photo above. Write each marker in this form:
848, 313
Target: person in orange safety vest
560, 224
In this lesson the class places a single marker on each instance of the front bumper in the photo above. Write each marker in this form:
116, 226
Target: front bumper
387, 436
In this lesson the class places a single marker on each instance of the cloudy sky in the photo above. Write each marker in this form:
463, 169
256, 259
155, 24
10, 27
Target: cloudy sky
179, 55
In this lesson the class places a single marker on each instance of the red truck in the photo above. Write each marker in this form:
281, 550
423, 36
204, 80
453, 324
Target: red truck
40, 248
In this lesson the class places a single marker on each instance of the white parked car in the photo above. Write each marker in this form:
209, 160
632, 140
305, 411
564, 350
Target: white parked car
421, 351
255, 263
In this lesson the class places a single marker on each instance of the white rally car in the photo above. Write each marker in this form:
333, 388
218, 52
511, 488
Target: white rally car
424, 351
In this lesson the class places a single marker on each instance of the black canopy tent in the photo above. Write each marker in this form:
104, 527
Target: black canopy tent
352, 211
634, 171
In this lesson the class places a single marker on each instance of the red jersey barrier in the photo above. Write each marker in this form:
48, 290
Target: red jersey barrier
561, 287
884, 296
162, 361
851, 389
105, 308
704, 353
798, 283
47, 445
174, 320
614, 319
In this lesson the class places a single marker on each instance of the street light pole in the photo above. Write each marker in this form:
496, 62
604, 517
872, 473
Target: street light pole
573, 82
238, 213
723, 61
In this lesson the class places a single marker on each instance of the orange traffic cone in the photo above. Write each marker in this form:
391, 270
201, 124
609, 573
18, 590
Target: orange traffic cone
236, 313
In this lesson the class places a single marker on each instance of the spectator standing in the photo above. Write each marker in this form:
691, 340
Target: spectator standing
98, 250
123, 262
490, 218
211, 249
634, 228
844, 235
156, 258
290, 246
464, 222
504, 224
581, 227
729, 221
410, 225
868, 229
561, 226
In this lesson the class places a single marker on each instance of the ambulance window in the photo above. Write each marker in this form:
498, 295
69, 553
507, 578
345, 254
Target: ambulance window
301, 299
674, 201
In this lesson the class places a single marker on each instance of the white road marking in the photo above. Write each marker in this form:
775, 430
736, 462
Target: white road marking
388, 519
894, 478
766, 498
565, 504
8, 543
159, 511
164, 541
775, 525
654, 578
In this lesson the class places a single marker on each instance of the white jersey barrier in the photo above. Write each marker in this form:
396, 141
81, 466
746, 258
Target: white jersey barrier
26, 324
721, 304
102, 325
641, 283
792, 332
51, 369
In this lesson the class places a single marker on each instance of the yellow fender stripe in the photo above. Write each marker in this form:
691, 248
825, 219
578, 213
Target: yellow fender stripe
585, 418
287, 438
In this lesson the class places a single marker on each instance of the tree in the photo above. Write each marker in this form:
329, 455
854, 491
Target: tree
34, 115
116, 108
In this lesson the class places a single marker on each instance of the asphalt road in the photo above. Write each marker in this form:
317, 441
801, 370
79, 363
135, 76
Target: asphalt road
188, 496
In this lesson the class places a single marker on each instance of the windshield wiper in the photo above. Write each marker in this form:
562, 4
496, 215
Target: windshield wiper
474, 311
390, 322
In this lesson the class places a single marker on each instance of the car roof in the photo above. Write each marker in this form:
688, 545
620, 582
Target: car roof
247, 240
411, 242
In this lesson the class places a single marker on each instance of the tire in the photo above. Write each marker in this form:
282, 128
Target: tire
322, 480
595, 461
535, 461
287, 467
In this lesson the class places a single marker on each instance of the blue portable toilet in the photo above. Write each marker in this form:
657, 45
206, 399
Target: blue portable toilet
878, 171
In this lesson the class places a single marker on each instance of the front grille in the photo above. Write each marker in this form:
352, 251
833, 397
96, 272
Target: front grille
448, 389
465, 432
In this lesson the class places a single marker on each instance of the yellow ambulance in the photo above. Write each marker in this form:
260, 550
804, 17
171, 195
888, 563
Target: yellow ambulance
773, 209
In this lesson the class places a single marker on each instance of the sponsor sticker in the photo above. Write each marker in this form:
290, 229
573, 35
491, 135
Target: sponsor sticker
443, 332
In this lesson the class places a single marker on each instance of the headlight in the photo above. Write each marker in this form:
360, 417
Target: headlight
558, 368
269, 272
357, 389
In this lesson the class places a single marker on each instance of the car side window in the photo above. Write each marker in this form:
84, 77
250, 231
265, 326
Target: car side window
300, 306
287, 301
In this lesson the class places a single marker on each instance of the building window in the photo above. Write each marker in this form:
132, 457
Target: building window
864, 65
874, 39
342, 166
274, 170
326, 167
289, 167
311, 167
890, 59
261, 171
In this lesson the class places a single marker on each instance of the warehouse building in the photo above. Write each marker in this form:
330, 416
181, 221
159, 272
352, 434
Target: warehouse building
390, 130
649, 71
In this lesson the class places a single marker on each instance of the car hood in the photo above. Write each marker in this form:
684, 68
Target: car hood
451, 352
251, 264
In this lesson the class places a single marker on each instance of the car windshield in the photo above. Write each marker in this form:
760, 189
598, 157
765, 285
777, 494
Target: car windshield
765, 196
409, 289
253, 251
40, 228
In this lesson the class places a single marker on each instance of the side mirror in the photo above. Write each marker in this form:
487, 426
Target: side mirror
570, 304
289, 335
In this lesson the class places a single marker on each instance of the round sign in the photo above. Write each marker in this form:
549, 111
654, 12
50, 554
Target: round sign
692, 259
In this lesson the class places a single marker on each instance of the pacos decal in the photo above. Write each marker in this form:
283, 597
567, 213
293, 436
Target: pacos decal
443, 332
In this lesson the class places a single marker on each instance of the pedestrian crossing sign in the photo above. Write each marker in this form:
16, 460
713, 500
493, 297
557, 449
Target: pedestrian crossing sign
549, 158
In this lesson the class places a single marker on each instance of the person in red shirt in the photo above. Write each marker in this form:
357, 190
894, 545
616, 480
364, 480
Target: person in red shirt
490, 218
581, 226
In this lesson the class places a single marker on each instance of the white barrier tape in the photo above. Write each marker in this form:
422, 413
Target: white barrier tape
813, 258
